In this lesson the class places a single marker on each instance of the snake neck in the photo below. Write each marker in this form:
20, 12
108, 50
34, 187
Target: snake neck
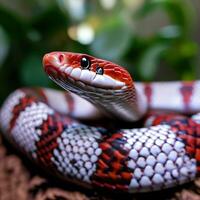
118, 104
126, 104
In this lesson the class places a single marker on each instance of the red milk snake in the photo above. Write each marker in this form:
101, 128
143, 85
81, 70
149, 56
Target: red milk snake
47, 125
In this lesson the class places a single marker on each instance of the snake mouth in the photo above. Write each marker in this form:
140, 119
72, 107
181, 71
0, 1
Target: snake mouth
59, 69
91, 78
82, 76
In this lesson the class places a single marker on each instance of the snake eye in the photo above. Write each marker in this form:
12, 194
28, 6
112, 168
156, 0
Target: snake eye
100, 70
85, 63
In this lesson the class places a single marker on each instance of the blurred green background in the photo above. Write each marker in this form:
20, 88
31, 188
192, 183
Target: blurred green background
154, 39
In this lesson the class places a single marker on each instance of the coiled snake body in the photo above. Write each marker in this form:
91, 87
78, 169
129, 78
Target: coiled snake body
46, 125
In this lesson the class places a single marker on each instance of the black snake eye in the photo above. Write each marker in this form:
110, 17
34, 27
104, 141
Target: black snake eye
85, 63
99, 70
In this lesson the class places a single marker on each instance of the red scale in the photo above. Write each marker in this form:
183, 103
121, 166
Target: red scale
109, 166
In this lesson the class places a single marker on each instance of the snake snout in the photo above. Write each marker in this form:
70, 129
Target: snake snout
55, 59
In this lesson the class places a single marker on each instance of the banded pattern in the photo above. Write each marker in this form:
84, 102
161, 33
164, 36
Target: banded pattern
133, 160
47, 126
184, 95
158, 158
77, 152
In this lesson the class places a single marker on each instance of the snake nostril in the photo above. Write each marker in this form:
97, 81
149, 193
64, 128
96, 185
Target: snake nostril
61, 58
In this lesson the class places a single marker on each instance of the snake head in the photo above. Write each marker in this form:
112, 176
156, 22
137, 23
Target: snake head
85, 69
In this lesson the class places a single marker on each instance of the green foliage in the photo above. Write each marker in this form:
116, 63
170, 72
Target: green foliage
31, 72
36, 27
112, 39
147, 66
4, 41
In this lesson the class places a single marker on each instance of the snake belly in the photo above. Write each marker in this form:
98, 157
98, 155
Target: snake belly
46, 126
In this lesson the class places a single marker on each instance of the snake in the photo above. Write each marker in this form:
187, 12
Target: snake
106, 131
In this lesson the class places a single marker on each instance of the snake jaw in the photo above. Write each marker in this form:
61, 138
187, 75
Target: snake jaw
67, 66
93, 79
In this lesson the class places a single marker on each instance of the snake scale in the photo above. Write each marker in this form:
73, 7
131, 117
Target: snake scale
51, 127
